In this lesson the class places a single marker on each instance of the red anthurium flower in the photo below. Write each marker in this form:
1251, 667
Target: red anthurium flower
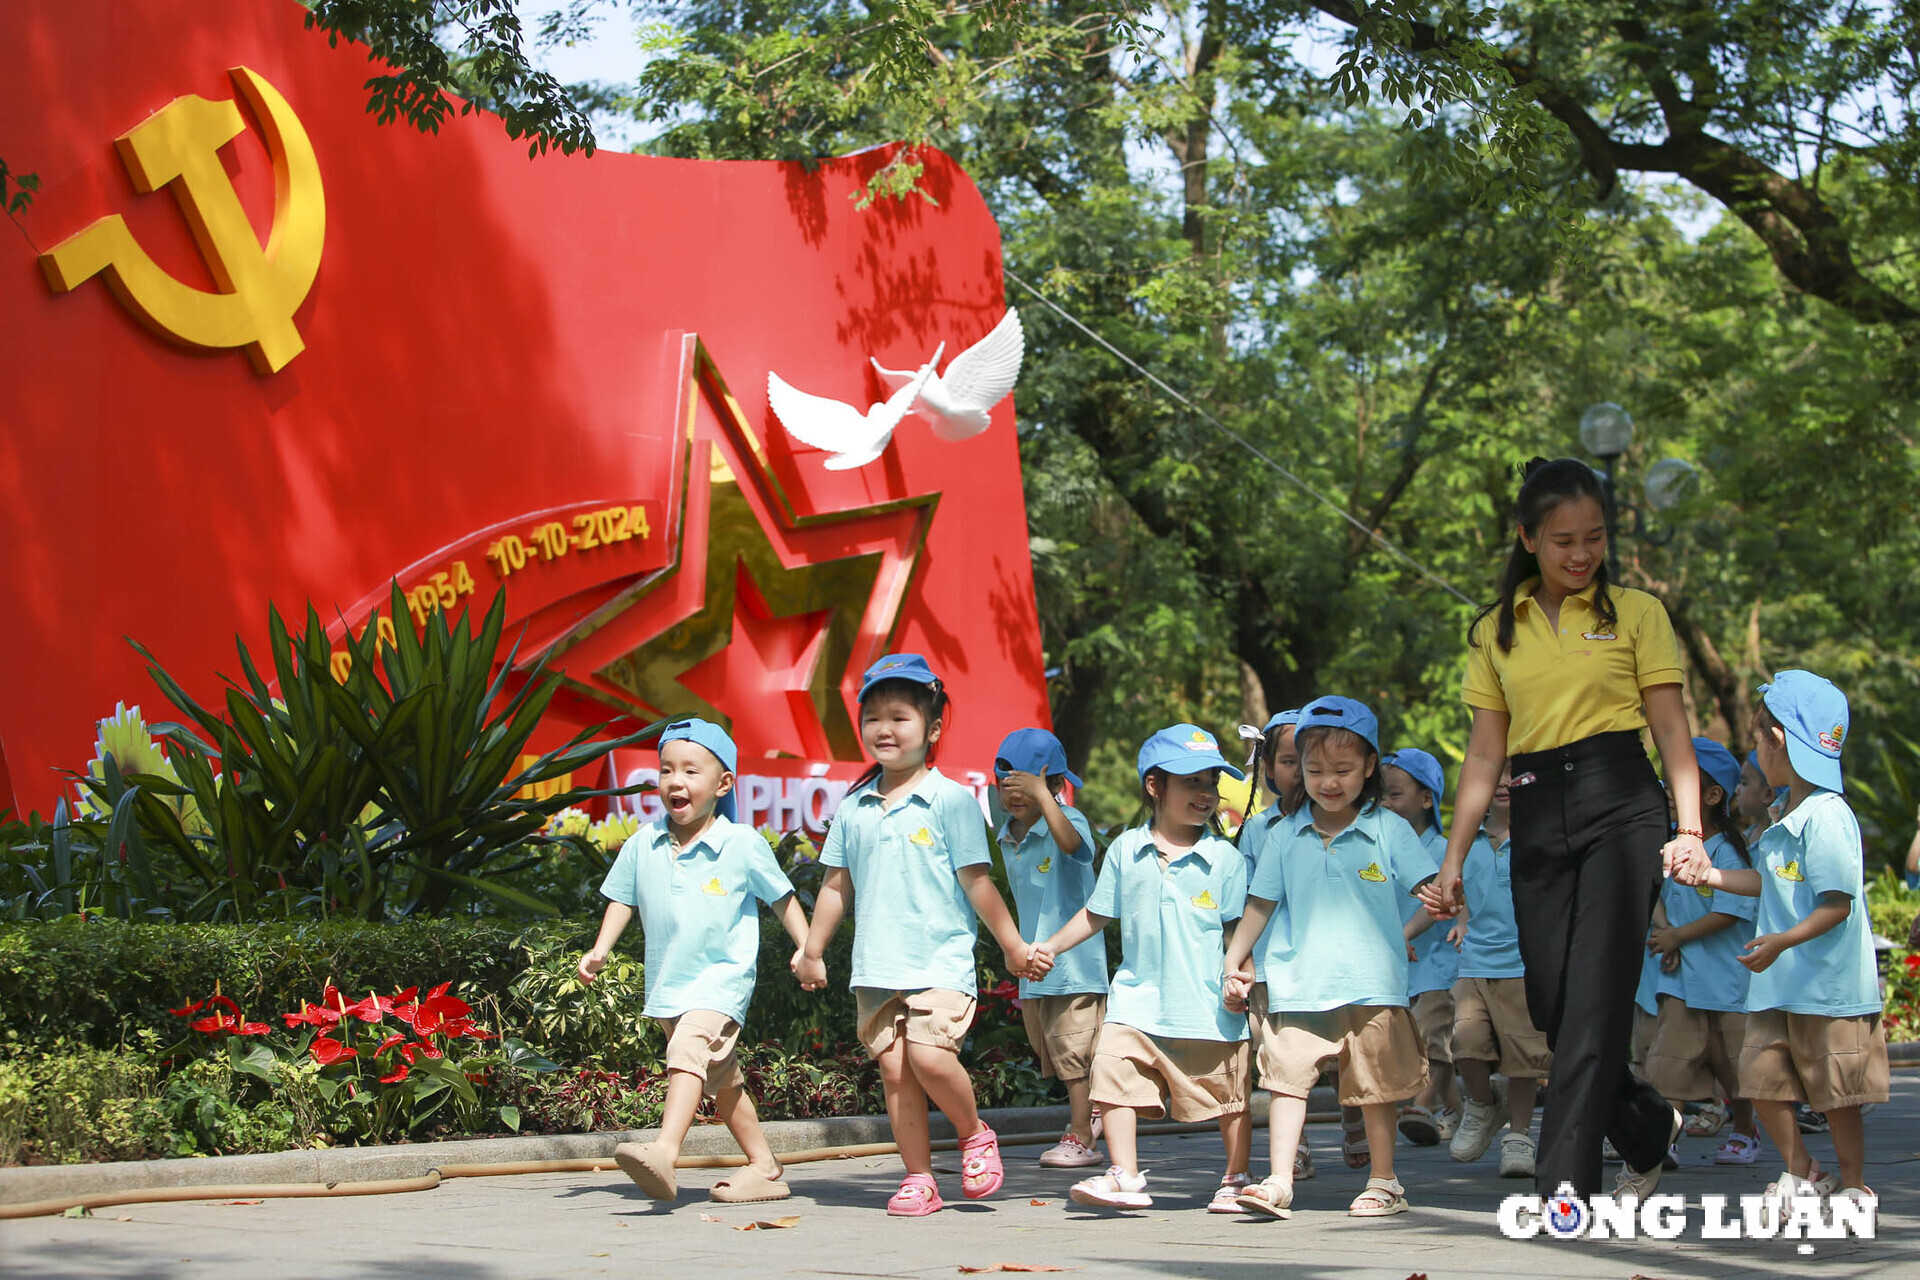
327, 1051
198, 1005
312, 1015
389, 1042
425, 1050
330, 997
1913, 961
367, 1010
252, 1029
398, 1074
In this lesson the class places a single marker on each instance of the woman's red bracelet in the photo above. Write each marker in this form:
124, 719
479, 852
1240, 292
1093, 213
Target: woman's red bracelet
1688, 831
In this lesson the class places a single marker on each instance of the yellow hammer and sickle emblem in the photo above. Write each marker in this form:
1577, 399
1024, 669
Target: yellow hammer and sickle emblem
259, 289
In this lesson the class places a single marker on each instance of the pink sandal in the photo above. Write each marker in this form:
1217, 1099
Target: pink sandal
918, 1196
980, 1170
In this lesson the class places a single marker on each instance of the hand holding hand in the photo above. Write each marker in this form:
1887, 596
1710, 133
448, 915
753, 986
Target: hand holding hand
1686, 860
1441, 895
1039, 962
1238, 985
810, 971
590, 966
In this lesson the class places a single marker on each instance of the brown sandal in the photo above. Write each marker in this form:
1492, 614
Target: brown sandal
650, 1168
747, 1185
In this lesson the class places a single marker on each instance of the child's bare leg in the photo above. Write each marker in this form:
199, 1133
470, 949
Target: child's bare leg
683, 1099
1380, 1119
1743, 1118
1080, 1109
1849, 1135
1476, 1079
736, 1111
1120, 1124
1520, 1092
1236, 1134
946, 1084
1286, 1123
906, 1109
1780, 1126
1440, 1091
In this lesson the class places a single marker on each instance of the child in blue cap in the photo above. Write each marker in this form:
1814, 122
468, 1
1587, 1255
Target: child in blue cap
1048, 850
1813, 1003
1753, 800
697, 879
1702, 987
1412, 783
1331, 882
1175, 885
1493, 1027
908, 848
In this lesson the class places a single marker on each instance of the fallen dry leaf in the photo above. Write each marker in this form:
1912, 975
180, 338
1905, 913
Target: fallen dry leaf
240, 1202
1039, 1204
707, 1217
778, 1224
1012, 1266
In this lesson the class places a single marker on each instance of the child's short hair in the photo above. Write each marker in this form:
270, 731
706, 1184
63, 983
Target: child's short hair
1332, 735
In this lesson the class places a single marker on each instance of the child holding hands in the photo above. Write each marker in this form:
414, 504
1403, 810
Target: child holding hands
697, 879
1813, 1004
910, 847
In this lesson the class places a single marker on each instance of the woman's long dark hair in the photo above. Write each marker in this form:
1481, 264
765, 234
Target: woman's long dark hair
1544, 484
934, 705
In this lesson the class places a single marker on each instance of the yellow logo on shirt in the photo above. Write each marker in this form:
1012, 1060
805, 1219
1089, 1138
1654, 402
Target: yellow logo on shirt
1371, 872
1705, 891
1204, 900
1046, 865
923, 838
1791, 871
714, 887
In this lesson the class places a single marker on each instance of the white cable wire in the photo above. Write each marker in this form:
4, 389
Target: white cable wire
1373, 535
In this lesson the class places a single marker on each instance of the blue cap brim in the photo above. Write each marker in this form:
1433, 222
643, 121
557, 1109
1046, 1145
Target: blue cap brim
1195, 763
1820, 770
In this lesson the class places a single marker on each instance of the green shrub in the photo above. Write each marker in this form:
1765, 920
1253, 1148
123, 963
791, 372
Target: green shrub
65, 1103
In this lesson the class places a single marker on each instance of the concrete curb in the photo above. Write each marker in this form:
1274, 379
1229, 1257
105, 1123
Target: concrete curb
365, 1164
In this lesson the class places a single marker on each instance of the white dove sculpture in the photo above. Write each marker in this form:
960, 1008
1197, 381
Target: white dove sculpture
958, 403
853, 438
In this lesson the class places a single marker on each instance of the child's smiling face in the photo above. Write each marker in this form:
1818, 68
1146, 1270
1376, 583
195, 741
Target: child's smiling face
1401, 793
1185, 800
895, 732
1336, 770
692, 780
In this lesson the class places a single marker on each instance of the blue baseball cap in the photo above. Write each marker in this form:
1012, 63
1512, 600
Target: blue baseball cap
1341, 713
1185, 748
707, 734
1423, 769
1033, 751
897, 666
1280, 719
1813, 711
1718, 764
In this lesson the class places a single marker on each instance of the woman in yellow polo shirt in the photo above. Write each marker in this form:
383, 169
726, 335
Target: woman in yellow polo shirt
1564, 670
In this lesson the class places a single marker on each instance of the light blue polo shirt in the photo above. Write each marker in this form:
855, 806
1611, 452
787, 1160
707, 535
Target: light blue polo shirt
1815, 849
1711, 976
1436, 962
1049, 888
699, 913
1255, 835
1340, 941
1173, 951
1491, 948
913, 927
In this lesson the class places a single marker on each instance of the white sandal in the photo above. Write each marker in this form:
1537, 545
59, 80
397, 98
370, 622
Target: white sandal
1269, 1198
1383, 1198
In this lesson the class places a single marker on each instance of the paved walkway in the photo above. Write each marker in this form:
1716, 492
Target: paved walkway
597, 1224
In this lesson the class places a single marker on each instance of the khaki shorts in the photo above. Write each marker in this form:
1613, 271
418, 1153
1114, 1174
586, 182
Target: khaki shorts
1491, 1024
1376, 1048
700, 1042
1062, 1030
1194, 1079
1821, 1061
1695, 1053
1433, 1012
935, 1016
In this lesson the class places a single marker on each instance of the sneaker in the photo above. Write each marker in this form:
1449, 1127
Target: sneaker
1516, 1155
1739, 1148
1114, 1189
1641, 1183
1809, 1120
1417, 1127
1708, 1120
1447, 1121
1226, 1196
1069, 1153
1302, 1162
1476, 1133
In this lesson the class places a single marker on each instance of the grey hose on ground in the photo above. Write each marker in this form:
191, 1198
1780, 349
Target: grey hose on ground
433, 1177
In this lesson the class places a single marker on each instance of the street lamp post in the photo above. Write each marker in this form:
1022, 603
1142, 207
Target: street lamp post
1606, 431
